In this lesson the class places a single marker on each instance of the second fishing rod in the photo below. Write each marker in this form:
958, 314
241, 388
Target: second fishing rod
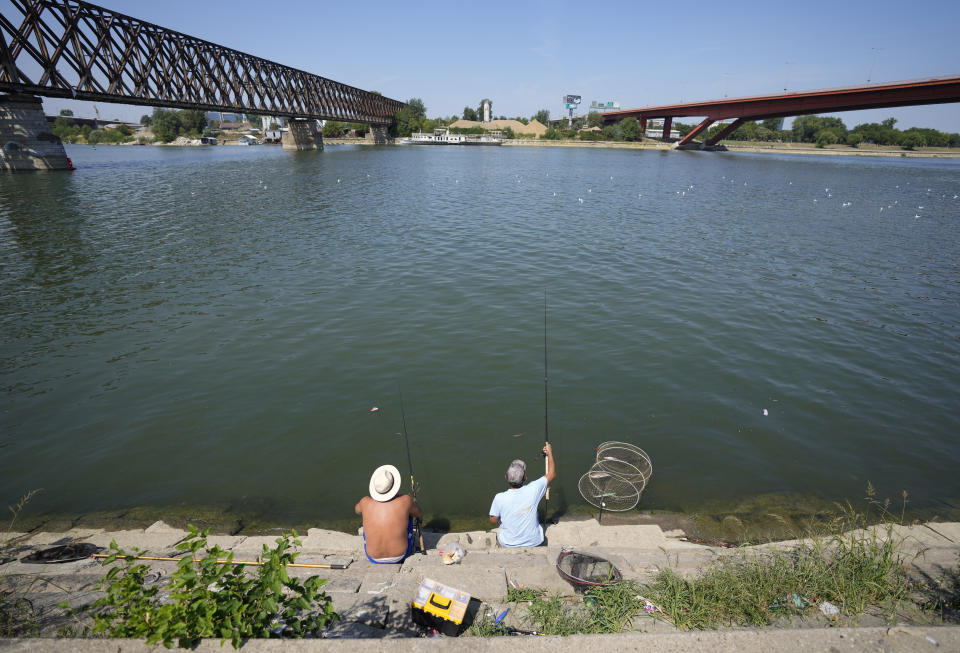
413, 482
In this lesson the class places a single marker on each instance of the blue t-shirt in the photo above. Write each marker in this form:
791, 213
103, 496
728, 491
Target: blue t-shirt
517, 510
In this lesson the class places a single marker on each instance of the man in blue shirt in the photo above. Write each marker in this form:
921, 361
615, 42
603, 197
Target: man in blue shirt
516, 509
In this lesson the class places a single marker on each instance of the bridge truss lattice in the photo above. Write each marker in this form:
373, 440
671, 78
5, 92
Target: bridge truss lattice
72, 49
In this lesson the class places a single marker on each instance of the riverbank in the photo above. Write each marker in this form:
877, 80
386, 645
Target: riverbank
753, 148
755, 518
373, 600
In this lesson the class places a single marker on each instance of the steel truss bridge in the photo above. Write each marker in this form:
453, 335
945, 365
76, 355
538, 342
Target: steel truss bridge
937, 90
72, 49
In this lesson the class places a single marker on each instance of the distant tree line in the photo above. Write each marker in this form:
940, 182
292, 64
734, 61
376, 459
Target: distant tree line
819, 130
69, 131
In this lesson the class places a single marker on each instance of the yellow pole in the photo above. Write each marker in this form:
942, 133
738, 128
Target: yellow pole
223, 562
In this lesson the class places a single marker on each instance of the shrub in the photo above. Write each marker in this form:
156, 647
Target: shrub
209, 599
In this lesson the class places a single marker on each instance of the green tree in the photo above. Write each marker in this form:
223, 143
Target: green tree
193, 122
166, 125
804, 128
417, 108
65, 129
332, 129
854, 139
594, 119
552, 134
825, 137
542, 116
912, 140
611, 133
469, 114
630, 129
146, 120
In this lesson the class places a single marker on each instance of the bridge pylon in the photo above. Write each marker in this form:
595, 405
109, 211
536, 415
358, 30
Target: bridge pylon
302, 135
26, 142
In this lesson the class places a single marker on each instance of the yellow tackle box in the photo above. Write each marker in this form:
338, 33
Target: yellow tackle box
441, 607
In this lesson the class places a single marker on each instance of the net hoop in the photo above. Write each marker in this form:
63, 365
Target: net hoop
629, 454
597, 484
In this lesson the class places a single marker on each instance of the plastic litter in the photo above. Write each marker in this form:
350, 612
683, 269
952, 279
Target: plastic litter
374, 409
829, 609
765, 413
794, 601
453, 555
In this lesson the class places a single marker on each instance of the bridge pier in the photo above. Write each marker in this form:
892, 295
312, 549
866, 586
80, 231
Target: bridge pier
302, 135
26, 142
379, 134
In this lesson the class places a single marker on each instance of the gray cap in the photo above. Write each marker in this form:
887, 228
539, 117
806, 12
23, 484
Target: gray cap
516, 472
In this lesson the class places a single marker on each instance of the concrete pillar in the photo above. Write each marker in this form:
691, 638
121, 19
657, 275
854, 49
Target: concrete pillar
302, 135
379, 134
667, 126
26, 142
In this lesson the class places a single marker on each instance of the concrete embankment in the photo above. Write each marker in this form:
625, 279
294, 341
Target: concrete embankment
374, 600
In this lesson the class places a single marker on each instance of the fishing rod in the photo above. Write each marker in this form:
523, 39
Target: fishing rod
219, 562
546, 429
413, 483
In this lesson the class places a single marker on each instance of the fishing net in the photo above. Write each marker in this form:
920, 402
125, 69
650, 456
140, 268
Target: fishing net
607, 490
66, 553
625, 460
584, 571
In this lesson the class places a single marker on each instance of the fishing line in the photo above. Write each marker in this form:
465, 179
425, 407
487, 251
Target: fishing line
413, 483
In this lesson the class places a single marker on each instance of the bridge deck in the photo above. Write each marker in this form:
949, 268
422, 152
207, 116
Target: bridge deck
936, 90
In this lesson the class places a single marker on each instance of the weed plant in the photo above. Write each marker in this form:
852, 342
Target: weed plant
18, 616
209, 599
840, 560
843, 562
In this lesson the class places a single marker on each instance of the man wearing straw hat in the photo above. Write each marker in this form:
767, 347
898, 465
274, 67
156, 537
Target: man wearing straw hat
387, 518
516, 509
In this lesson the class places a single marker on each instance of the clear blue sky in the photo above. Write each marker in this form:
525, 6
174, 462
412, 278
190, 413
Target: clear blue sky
525, 55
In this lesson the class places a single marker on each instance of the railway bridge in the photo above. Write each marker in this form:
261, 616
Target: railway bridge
937, 90
74, 49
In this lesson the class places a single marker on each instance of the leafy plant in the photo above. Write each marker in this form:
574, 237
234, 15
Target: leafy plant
210, 597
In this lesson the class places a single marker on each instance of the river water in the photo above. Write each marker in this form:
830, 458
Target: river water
215, 326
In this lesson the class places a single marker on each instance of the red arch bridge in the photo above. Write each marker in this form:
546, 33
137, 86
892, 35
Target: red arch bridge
937, 90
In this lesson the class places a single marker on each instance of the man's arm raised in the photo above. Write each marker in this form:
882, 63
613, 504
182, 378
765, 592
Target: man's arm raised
551, 464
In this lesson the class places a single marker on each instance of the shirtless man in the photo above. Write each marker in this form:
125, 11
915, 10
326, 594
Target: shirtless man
387, 518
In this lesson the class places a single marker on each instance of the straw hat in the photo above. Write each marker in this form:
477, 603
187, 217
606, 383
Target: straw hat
385, 483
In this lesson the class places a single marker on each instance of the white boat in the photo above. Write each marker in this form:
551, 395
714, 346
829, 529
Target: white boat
442, 136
